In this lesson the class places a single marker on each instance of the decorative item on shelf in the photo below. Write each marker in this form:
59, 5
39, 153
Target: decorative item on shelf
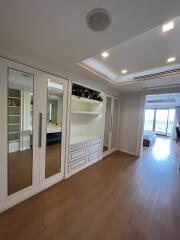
81, 91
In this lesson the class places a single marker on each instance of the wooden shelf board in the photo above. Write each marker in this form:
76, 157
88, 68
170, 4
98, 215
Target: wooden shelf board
14, 97
14, 106
84, 138
82, 99
13, 132
85, 112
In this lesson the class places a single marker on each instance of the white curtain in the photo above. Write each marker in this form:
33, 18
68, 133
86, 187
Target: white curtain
176, 122
178, 115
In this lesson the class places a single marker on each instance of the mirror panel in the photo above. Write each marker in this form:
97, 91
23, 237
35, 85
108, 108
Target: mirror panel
20, 134
54, 128
107, 127
114, 125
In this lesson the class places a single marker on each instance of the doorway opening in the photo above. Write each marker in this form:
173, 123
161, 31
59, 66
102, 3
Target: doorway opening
160, 122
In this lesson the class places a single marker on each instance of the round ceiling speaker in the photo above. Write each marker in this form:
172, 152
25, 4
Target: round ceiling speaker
98, 19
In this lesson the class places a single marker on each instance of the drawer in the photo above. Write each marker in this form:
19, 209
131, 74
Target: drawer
93, 148
94, 157
77, 154
77, 146
77, 164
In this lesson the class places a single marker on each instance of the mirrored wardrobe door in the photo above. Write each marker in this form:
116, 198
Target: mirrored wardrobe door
108, 124
54, 133
115, 124
20, 130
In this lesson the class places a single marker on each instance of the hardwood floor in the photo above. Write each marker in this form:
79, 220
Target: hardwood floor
120, 197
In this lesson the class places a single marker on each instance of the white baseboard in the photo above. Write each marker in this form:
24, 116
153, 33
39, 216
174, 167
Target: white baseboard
128, 152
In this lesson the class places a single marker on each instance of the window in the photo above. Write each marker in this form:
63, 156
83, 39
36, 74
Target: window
159, 120
149, 119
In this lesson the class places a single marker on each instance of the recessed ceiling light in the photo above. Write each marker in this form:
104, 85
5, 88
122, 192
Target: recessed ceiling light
171, 59
168, 26
105, 54
124, 71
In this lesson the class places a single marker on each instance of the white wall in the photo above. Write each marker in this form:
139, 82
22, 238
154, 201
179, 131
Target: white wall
129, 121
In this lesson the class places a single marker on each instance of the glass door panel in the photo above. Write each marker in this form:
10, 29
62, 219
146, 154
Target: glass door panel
149, 120
107, 127
54, 128
170, 122
114, 124
20, 134
161, 121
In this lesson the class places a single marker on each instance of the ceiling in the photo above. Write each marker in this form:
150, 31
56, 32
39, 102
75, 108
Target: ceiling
55, 31
143, 54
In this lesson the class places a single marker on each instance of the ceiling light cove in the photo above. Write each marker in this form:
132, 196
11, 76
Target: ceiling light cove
168, 26
105, 54
124, 71
171, 59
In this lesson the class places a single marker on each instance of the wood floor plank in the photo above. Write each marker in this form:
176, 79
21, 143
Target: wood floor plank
120, 197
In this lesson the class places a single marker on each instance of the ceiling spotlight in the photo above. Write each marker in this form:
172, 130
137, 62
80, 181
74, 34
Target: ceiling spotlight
105, 54
124, 71
168, 26
171, 59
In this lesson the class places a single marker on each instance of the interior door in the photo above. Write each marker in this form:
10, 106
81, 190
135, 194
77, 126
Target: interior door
33, 130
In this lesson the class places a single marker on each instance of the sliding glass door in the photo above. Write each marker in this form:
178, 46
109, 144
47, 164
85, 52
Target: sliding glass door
149, 119
170, 122
159, 120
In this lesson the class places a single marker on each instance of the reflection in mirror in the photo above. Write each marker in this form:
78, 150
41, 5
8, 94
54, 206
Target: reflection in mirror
108, 124
54, 128
20, 109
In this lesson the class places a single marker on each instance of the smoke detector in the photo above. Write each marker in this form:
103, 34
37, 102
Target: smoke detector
98, 19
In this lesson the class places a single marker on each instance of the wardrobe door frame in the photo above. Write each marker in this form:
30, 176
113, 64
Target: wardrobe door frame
39, 182
14, 198
46, 182
116, 147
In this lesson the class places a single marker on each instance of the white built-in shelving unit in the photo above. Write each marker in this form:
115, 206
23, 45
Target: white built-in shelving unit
14, 118
85, 132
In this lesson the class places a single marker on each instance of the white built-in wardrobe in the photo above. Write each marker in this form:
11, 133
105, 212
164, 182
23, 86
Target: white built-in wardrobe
47, 133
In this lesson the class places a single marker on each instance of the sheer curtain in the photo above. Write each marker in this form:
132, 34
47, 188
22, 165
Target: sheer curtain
176, 122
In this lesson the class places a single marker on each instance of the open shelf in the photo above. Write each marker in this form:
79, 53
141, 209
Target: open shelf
83, 138
85, 112
13, 132
85, 100
14, 106
86, 116
14, 97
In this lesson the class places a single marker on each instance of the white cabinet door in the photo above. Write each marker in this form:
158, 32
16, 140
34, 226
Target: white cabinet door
33, 131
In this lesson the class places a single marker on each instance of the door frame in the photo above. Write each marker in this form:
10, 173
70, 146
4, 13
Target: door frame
143, 95
38, 183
